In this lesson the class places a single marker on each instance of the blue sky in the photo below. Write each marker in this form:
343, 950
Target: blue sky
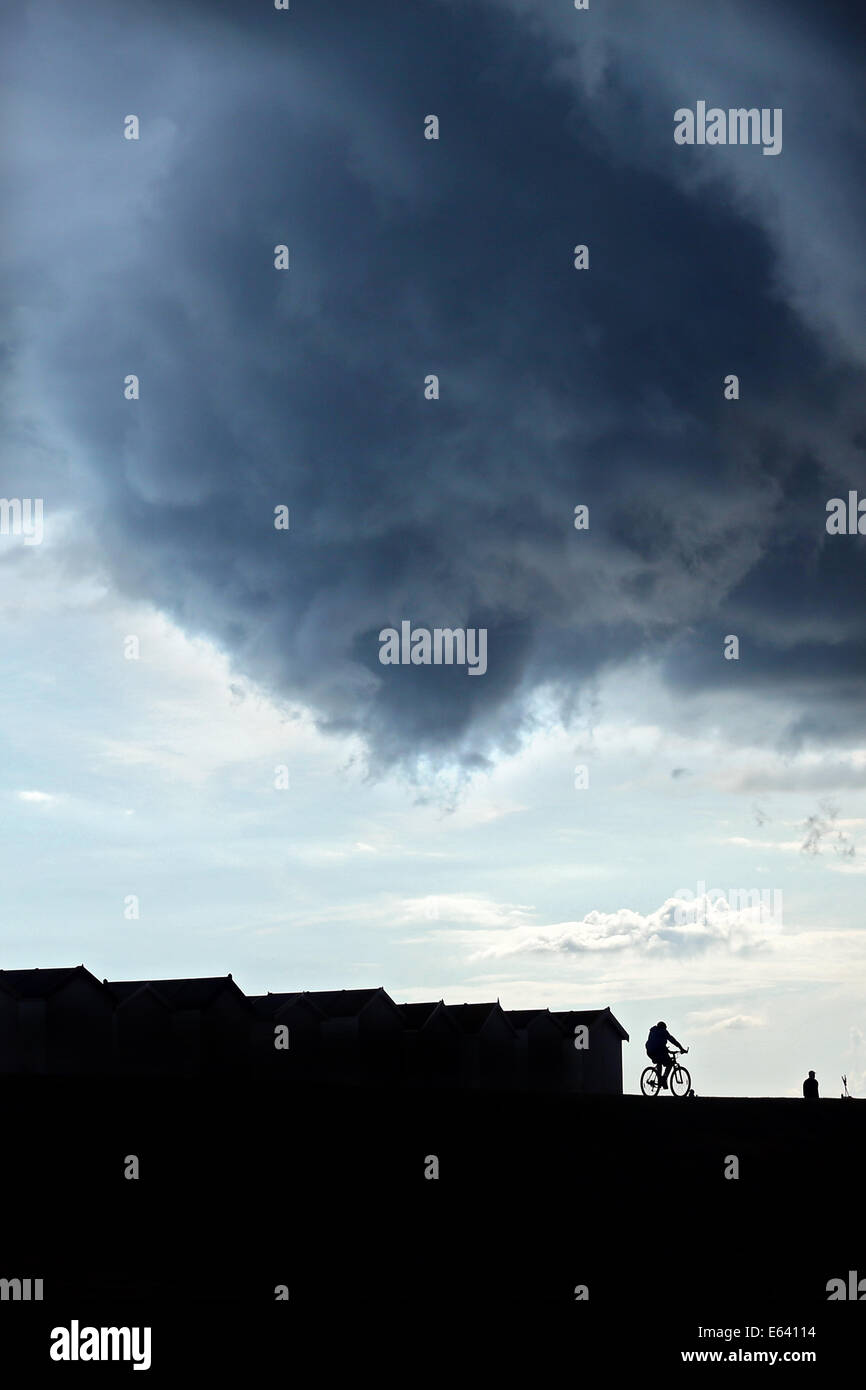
432, 838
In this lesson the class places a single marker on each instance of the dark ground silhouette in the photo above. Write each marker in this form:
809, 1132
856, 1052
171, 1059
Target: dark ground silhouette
245, 1185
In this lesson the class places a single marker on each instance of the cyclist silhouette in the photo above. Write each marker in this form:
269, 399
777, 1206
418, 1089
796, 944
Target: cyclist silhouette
657, 1051
810, 1087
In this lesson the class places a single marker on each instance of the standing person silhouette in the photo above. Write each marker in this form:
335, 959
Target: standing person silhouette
810, 1087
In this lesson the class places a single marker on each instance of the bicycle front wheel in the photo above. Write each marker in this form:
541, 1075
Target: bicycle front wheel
680, 1082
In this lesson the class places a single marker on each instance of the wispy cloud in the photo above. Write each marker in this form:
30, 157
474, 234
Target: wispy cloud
464, 908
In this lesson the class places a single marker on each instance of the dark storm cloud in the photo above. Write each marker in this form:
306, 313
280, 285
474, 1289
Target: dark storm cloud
454, 257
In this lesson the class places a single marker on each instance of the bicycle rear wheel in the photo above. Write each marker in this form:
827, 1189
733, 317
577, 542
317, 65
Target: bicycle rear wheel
649, 1081
679, 1081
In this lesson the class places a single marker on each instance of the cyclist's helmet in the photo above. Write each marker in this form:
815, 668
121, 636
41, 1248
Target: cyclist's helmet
661, 1025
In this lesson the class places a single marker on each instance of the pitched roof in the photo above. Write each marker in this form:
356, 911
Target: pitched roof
124, 988
139, 992
569, 1018
416, 1015
39, 984
267, 1004
472, 1017
521, 1018
343, 1003
180, 994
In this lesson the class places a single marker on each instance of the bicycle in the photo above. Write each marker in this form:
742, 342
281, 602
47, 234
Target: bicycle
679, 1080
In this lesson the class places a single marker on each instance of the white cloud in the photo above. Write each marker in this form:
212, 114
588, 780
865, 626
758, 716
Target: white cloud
721, 1019
680, 926
737, 1022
